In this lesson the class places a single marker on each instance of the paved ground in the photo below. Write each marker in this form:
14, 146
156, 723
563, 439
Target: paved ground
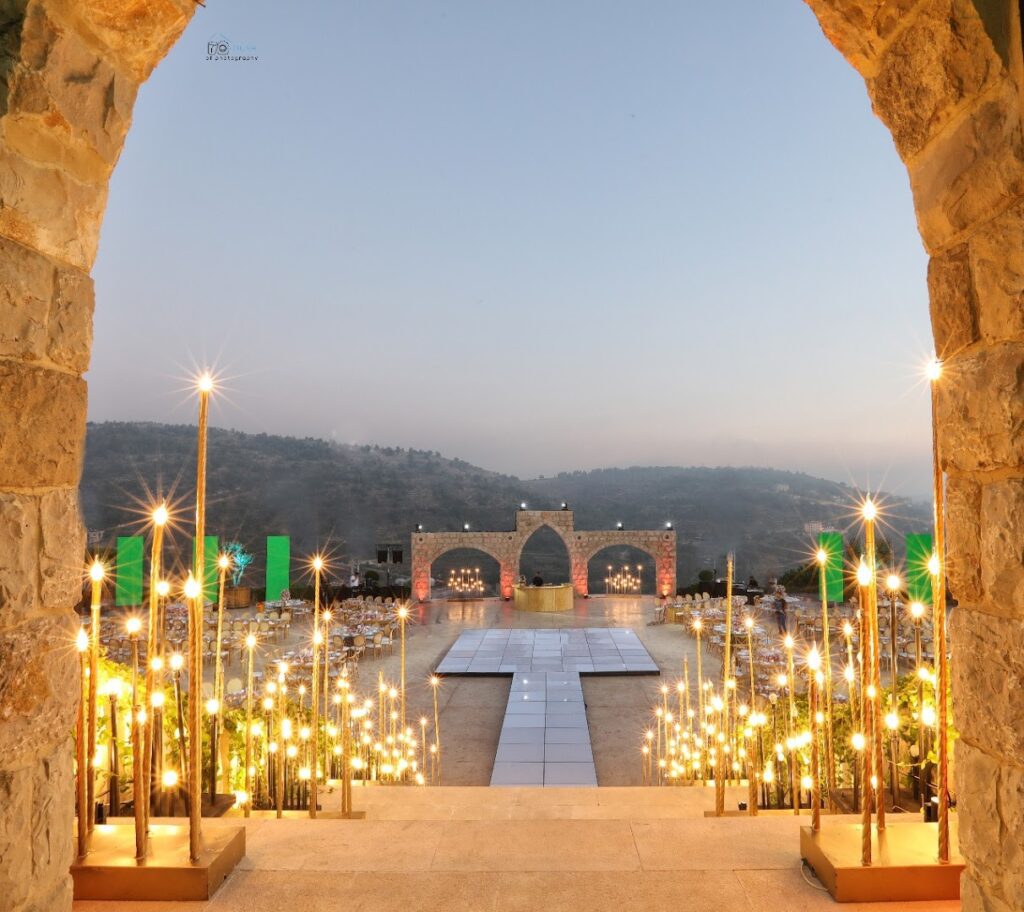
506, 850
472, 709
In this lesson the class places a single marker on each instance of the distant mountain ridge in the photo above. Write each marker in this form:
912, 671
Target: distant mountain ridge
318, 491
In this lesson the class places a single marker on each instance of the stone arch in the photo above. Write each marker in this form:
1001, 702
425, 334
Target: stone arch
651, 583
491, 556
527, 535
945, 76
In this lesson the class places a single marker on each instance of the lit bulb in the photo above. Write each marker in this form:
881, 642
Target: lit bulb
806, 782
212, 706
814, 659
157, 700
822, 556
916, 610
161, 515
788, 642
170, 779
318, 563
250, 641
892, 582
205, 382
163, 588
933, 564
858, 741
892, 721
869, 511
177, 661
96, 571
81, 640
191, 587
133, 625
863, 574
223, 562
933, 369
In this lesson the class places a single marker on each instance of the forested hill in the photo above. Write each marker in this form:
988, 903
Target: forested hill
318, 491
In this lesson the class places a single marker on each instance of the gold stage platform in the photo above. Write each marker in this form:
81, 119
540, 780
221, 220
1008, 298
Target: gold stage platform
543, 598
904, 864
111, 872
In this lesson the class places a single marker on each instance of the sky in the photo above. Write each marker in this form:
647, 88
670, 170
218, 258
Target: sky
536, 236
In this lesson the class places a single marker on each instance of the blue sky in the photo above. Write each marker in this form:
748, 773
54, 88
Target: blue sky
537, 236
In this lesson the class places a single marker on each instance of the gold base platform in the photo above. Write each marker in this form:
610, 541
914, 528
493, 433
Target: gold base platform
904, 864
544, 598
111, 872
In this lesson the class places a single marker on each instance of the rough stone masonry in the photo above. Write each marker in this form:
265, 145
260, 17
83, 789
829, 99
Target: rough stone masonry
945, 76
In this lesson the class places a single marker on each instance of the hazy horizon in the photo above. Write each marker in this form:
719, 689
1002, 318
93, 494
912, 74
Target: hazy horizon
539, 239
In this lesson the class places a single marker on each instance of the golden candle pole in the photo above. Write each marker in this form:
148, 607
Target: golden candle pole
423, 744
197, 604
403, 615
435, 682
789, 643
937, 569
250, 646
893, 585
96, 574
720, 756
381, 693
698, 625
727, 664
159, 517
830, 758
870, 512
282, 687
863, 581
813, 674
81, 736
194, 600
223, 565
318, 566
133, 626
346, 747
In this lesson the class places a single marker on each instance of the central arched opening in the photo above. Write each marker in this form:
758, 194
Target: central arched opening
546, 556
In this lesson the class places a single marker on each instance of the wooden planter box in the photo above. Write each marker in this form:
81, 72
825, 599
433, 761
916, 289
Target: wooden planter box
238, 598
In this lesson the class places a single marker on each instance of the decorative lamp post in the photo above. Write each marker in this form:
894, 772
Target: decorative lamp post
826, 645
81, 736
936, 567
790, 643
159, 518
318, 566
194, 598
96, 574
813, 674
435, 683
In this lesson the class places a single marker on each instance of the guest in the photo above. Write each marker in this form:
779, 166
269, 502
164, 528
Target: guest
538, 580
780, 613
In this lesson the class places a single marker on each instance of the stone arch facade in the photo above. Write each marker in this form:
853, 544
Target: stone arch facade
660, 546
507, 548
945, 76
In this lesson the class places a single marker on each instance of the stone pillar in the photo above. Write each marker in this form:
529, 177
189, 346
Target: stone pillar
68, 81
579, 568
945, 78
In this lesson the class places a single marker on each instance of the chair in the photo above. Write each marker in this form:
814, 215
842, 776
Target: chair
358, 646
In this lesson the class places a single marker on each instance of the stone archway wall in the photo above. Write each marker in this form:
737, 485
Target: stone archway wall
507, 548
945, 76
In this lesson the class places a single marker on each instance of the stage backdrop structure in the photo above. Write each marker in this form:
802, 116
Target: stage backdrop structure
507, 547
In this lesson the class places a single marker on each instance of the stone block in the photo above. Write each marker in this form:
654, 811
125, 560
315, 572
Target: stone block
859, 29
38, 688
951, 300
63, 547
42, 426
963, 538
997, 269
930, 70
70, 327
981, 409
49, 210
20, 540
1002, 546
988, 681
970, 170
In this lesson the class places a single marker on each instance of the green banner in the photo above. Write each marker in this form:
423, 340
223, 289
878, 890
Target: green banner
919, 580
832, 544
278, 566
128, 587
210, 556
